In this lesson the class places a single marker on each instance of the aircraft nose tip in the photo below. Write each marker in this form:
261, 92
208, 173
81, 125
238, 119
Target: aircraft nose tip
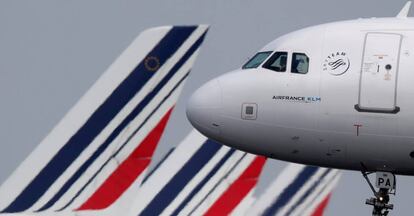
204, 108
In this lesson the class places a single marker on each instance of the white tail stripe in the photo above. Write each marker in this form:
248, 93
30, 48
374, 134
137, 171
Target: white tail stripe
282, 181
137, 138
296, 197
315, 185
164, 173
113, 165
323, 190
245, 204
223, 185
213, 182
195, 180
302, 202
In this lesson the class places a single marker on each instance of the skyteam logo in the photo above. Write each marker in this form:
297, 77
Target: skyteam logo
336, 63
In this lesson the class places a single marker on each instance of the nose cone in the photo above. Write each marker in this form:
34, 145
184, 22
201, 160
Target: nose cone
204, 108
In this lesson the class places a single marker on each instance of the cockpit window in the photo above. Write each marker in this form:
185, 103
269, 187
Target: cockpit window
256, 60
277, 62
300, 63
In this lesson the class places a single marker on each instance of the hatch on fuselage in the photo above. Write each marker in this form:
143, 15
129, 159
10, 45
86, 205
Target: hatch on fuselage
379, 73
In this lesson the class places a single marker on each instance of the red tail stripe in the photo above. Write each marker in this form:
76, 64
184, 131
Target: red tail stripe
128, 171
238, 190
321, 207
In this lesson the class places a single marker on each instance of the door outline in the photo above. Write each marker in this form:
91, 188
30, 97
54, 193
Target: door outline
379, 110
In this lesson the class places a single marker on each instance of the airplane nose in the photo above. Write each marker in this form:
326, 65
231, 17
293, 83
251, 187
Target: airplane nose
204, 108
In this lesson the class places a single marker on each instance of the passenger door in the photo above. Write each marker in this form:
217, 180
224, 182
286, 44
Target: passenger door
379, 73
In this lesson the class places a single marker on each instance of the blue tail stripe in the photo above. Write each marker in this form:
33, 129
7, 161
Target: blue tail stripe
135, 112
321, 191
292, 189
123, 145
98, 121
203, 182
181, 178
218, 183
308, 192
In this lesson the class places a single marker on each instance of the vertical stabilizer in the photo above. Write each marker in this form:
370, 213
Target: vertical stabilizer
405, 10
105, 143
200, 177
298, 190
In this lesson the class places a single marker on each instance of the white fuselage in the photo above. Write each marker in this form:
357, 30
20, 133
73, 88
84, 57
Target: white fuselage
353, 109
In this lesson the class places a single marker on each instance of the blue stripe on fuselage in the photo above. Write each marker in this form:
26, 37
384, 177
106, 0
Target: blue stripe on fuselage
98, 121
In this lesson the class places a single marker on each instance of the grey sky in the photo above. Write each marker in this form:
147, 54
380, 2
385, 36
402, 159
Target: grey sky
52, 51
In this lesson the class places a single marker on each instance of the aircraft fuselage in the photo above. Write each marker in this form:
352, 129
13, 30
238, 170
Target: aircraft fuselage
336, 95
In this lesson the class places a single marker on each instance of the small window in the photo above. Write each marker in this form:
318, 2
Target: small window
249, 111
256, 60
300, 63
277, 62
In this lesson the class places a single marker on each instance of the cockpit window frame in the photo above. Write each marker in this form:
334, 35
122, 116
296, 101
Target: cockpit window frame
271, 60
293, 59
269, 53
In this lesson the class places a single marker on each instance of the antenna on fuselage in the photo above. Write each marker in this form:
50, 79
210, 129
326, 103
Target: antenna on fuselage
404, 11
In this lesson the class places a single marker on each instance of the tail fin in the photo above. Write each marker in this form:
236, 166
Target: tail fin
199, 177
238, 197
298, 190
106, 141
